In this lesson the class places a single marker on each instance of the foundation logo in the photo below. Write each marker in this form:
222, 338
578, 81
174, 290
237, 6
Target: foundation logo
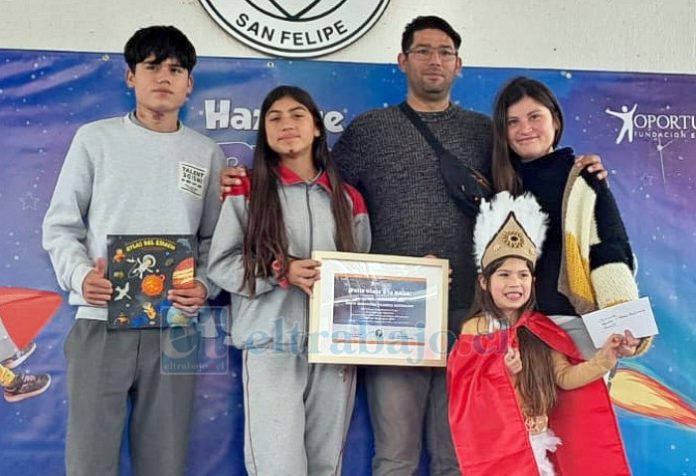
296, 28
652, 125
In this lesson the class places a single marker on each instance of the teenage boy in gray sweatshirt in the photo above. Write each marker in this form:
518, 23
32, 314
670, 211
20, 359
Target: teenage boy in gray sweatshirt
132, 175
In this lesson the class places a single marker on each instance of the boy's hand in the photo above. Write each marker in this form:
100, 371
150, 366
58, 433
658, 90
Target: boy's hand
189, 300
303, 273
96, 289
513, 362
229, 177
593, 163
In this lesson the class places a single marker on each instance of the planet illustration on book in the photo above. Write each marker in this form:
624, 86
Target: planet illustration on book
182, 277
176, 317
152, 285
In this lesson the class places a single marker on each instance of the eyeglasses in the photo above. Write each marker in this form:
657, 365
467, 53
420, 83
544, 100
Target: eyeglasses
423, 53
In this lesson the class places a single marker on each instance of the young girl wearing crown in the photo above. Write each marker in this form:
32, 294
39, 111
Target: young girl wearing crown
519, 390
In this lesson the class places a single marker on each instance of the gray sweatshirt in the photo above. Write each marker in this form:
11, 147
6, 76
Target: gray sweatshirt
278, 315
121, 178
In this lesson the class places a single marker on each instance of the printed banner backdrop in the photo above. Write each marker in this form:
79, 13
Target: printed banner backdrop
643, 126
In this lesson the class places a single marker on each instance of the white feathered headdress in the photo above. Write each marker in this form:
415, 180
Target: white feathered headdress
508, 226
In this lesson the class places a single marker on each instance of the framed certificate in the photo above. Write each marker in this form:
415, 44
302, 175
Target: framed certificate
379, 310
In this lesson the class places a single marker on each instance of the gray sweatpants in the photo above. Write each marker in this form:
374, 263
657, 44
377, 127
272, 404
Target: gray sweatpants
403, 401
106, 370
297, 414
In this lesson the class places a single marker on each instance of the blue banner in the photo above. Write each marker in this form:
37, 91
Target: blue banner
643, 126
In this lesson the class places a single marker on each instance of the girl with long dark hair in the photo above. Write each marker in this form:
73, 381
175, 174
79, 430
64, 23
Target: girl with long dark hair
296, 414
587, 263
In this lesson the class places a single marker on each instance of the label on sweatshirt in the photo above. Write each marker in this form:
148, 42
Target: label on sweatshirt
192, 179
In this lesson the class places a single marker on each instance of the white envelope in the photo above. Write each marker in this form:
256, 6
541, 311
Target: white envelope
636, 316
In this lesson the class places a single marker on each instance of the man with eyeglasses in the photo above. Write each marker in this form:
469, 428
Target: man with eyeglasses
384, 155
411, 213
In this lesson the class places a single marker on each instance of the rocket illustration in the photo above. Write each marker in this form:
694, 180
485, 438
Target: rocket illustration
23, 313
643, 395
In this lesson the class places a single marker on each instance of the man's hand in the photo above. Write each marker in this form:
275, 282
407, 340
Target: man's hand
96, 289
189, 300
593, 163
303, 273
229, 177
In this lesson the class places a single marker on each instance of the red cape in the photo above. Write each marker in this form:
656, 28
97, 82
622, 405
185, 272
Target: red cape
488, 429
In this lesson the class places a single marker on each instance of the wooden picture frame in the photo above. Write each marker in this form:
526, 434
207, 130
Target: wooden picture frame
374, 309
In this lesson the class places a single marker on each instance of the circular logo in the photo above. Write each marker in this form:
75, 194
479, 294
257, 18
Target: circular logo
296, 28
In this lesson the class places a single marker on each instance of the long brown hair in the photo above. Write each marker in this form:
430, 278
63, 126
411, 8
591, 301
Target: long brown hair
504, 175
535, 382
265, 238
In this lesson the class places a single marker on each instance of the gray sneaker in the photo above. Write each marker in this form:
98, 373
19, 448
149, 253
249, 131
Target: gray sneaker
26, 386
17, 359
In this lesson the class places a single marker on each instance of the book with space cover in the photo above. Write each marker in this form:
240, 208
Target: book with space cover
142, 269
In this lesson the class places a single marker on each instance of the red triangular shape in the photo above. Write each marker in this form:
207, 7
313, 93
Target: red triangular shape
24, 312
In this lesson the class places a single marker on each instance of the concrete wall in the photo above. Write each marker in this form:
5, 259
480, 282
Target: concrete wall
611, 35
